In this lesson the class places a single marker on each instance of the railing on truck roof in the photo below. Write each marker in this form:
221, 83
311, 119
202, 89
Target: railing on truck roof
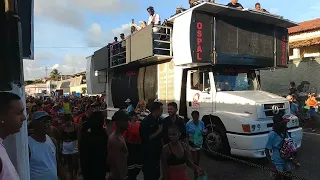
153, 43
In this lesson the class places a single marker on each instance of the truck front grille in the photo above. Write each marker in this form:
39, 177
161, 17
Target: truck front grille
268, 108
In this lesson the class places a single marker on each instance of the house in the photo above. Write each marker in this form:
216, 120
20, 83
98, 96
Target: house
34, 89
304, 39
78, 83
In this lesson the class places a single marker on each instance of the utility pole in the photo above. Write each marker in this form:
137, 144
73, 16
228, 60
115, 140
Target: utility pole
46, 69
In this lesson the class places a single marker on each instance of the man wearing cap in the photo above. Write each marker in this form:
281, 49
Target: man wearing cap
129, 105
42, 149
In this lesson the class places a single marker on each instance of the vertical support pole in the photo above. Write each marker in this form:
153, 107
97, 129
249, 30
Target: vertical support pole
11, 79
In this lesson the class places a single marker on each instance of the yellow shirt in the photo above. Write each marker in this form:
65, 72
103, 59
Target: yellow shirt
66, 107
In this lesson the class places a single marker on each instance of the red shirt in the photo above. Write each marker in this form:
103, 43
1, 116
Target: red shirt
132, 134
78, 118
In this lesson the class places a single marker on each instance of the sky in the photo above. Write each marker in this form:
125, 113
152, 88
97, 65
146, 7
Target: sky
68, 31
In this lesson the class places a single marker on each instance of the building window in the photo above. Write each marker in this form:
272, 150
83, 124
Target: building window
290, 52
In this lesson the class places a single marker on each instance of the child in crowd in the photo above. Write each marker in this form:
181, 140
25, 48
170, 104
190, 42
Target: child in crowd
280, 149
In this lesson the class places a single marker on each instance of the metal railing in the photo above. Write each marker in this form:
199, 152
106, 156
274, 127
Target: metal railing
142, 44
162, 41
118, 53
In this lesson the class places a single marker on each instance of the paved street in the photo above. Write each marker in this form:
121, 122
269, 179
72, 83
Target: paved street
226, 170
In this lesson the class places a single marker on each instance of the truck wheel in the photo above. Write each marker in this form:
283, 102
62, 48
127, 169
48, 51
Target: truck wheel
216, 142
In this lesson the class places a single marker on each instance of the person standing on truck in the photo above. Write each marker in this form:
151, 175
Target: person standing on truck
154, 18
173, 118
258, 8
11, 120
235, 4
151, 144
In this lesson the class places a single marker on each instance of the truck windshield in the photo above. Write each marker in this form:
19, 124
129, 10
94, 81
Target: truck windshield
232, 81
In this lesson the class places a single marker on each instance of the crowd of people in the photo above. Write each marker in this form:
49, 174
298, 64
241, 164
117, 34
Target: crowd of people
71, 133
68, 137
304, 105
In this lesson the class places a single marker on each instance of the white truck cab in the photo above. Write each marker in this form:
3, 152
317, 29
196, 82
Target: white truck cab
207, 59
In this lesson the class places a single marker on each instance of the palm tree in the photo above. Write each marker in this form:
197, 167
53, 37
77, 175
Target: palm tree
55, 74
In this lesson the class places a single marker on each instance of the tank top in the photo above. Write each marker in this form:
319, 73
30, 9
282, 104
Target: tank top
71, 136
173, 160
8, 171
43, 164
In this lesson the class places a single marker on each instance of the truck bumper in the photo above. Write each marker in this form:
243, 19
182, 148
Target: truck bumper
253, 146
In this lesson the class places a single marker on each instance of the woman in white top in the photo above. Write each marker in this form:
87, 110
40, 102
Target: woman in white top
11, 120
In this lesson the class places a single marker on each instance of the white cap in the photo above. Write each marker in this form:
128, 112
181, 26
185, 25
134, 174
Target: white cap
156, 100
128, 101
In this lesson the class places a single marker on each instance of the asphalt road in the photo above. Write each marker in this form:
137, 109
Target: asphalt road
227, 169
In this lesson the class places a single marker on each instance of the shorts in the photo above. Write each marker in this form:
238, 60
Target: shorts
69, 147
283, 167
194, 148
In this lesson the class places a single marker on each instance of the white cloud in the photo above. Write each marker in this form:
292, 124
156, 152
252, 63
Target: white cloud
97, 37
72, 64
106, 6
72, 12
60, 11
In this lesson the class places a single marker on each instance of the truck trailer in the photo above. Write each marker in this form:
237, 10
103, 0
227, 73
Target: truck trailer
207, 58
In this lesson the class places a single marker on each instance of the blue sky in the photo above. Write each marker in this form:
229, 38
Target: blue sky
67, 31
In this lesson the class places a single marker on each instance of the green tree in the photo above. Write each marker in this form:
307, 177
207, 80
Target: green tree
55, 74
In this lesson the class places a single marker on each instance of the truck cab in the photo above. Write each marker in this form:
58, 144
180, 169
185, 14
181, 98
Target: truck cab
207, 58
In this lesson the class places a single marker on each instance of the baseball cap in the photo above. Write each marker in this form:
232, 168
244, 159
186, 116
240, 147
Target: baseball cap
128, 101
40, 114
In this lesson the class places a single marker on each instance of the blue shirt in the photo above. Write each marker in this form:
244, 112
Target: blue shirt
195, 132
274, 145
43, 164
293, 108
130, 108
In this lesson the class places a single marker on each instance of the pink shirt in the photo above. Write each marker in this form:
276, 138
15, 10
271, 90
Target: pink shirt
8, 171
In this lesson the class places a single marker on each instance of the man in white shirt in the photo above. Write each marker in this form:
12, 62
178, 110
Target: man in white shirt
154, 18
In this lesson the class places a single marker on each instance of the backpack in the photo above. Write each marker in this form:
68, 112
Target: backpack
288, 149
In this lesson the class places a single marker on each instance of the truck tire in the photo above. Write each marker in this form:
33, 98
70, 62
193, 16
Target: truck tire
216, 142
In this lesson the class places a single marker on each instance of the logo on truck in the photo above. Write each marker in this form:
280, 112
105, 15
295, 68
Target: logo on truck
196, 98
199, 40
275, 109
